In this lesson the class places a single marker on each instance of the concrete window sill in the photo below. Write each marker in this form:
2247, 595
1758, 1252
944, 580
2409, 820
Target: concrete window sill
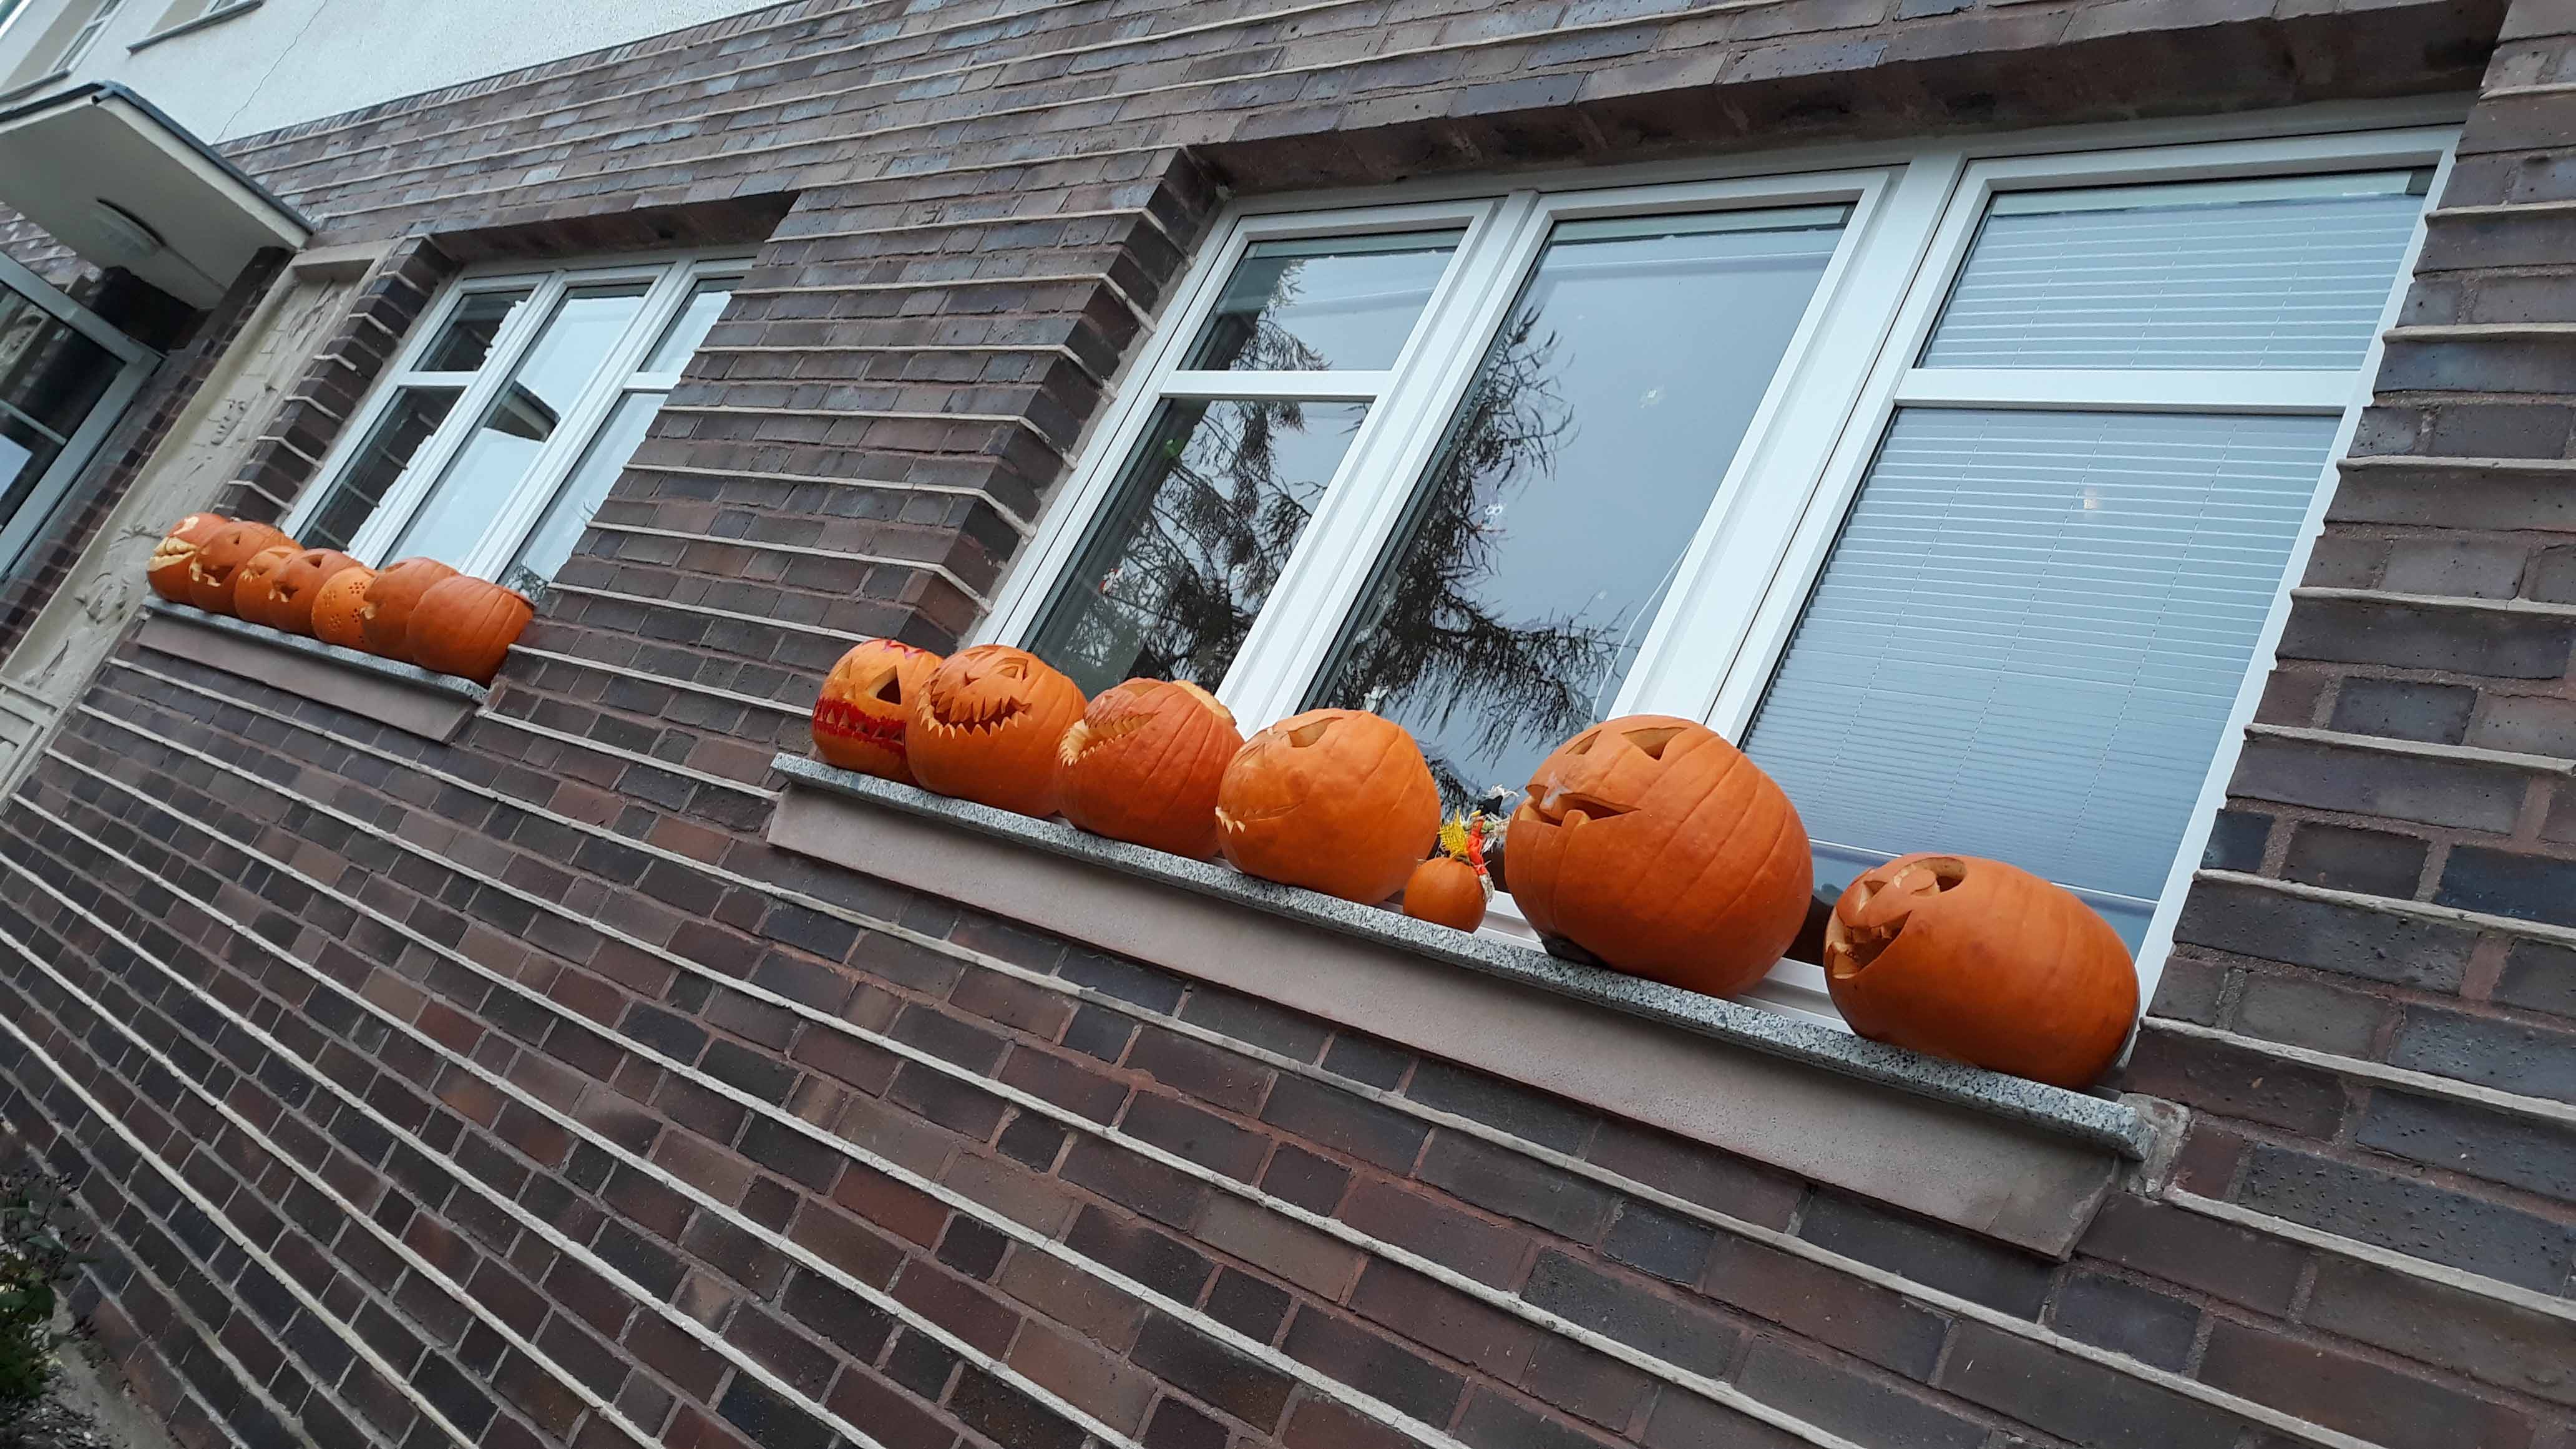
191, 27
409, 698
2017, 1160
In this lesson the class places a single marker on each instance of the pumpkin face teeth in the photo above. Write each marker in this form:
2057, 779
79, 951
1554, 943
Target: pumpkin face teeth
1566, 807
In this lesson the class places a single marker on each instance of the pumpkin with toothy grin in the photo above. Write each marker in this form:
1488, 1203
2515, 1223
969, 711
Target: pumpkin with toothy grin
1143, 765
1334, 800
865, 704
984, 727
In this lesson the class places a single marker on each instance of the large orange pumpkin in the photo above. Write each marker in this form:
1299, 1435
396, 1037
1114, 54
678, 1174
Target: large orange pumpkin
465, 626
865, 702
985, 726
1143, 765
1658, 849
1446, 891
251, 599
1334, 800
168, 571
337, 604
385, 617
298, 582
1983, 963
210, 573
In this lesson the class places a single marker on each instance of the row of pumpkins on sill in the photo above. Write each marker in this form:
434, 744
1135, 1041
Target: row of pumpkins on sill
1646, 844
418, 611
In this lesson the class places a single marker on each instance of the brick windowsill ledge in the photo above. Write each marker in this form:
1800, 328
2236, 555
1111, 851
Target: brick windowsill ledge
405, 696
2017, 1160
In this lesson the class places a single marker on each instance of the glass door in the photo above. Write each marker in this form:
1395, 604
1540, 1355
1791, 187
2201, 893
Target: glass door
65, 378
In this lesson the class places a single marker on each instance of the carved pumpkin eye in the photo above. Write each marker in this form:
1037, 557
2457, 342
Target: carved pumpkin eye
1012, 669
1652, 741
1308, 733
1583, 743
890, 689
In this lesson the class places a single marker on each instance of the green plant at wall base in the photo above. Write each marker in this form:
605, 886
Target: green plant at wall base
35, 1255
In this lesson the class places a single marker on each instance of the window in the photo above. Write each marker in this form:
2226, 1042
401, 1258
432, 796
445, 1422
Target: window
87, 36
502, 426
186, 14
1961, 491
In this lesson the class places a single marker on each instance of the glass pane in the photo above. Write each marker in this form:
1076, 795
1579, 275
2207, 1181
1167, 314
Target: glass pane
491, 465
1588, 449
583, 492
680, 340
1200, 527
50, 375
26, 451
1307, 306
2028, 638
467, 338
2221, 274
372, 471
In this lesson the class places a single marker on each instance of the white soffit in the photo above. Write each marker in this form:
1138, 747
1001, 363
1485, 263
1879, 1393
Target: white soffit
124, 186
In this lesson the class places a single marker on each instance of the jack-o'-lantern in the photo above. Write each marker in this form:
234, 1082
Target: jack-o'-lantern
251, 582
1983, 963
336, 607
220, 557
1143, 765
1653, 846
985, 726
866, 701
465, 626
298, 582
385, 617
1334, 800
168, 570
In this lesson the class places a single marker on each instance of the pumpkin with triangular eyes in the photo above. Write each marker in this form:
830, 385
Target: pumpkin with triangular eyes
1334, 800
251, 597
985, 724
1143, 765
1653, 846
860, 714
297, 584
168, 570
211, 568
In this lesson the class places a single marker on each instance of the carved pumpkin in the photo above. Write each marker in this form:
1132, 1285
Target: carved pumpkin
298, 582
210, 573
465, 626
385, 617
336, 606
985, 726
250, 583
1446, 891
1653, 846
168, 571
1983, 963
866, 700
1143, 765
1333, 800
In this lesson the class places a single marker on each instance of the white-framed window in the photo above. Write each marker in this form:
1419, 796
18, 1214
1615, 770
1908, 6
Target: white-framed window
87, 36
1963, 491
500, 428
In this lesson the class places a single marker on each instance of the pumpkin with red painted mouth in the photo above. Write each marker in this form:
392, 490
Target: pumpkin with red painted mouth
1334, 800
1651, 845
1143, 765
865, 703
985, 725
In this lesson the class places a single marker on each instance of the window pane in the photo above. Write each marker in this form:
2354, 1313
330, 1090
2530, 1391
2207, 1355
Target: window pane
2276, 273
1588, 449
467, 338
1204, 520
482, 476
582, 493
2028, 638
408, 421
1307, 306
680, 340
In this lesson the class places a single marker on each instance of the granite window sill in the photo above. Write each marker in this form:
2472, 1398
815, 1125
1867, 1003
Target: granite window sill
191, 27
2015, 1159
405, 696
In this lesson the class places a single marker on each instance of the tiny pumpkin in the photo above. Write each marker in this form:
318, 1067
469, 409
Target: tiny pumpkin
1143, 765
859, 715
1984, 963
1335, 800
210, 572
385, 617
1653, 846
168, 570
298, 582
336, 607
1446, 891
465, 626
985, 726
251, 599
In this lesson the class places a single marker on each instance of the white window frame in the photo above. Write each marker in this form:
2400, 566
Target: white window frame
86, 38
669, 280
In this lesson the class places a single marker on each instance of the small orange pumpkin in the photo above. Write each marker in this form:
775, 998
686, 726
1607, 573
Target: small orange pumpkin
1658, 849
251, 599
1983, 963
298, 582
336, 606
1334, 800
465, 626
210, 573
1446, 891
1143, 765
385, 617
168, 571
866, 700
985, 726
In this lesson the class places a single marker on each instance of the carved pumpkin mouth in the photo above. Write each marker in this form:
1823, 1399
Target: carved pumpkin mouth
170, 550
1562, 807
1869, 922
1085, 737
841, 718
974, 716
1233, 824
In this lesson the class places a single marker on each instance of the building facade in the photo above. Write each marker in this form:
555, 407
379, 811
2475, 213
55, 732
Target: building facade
2130, 437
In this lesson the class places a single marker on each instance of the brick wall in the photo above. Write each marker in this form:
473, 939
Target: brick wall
513, 1092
